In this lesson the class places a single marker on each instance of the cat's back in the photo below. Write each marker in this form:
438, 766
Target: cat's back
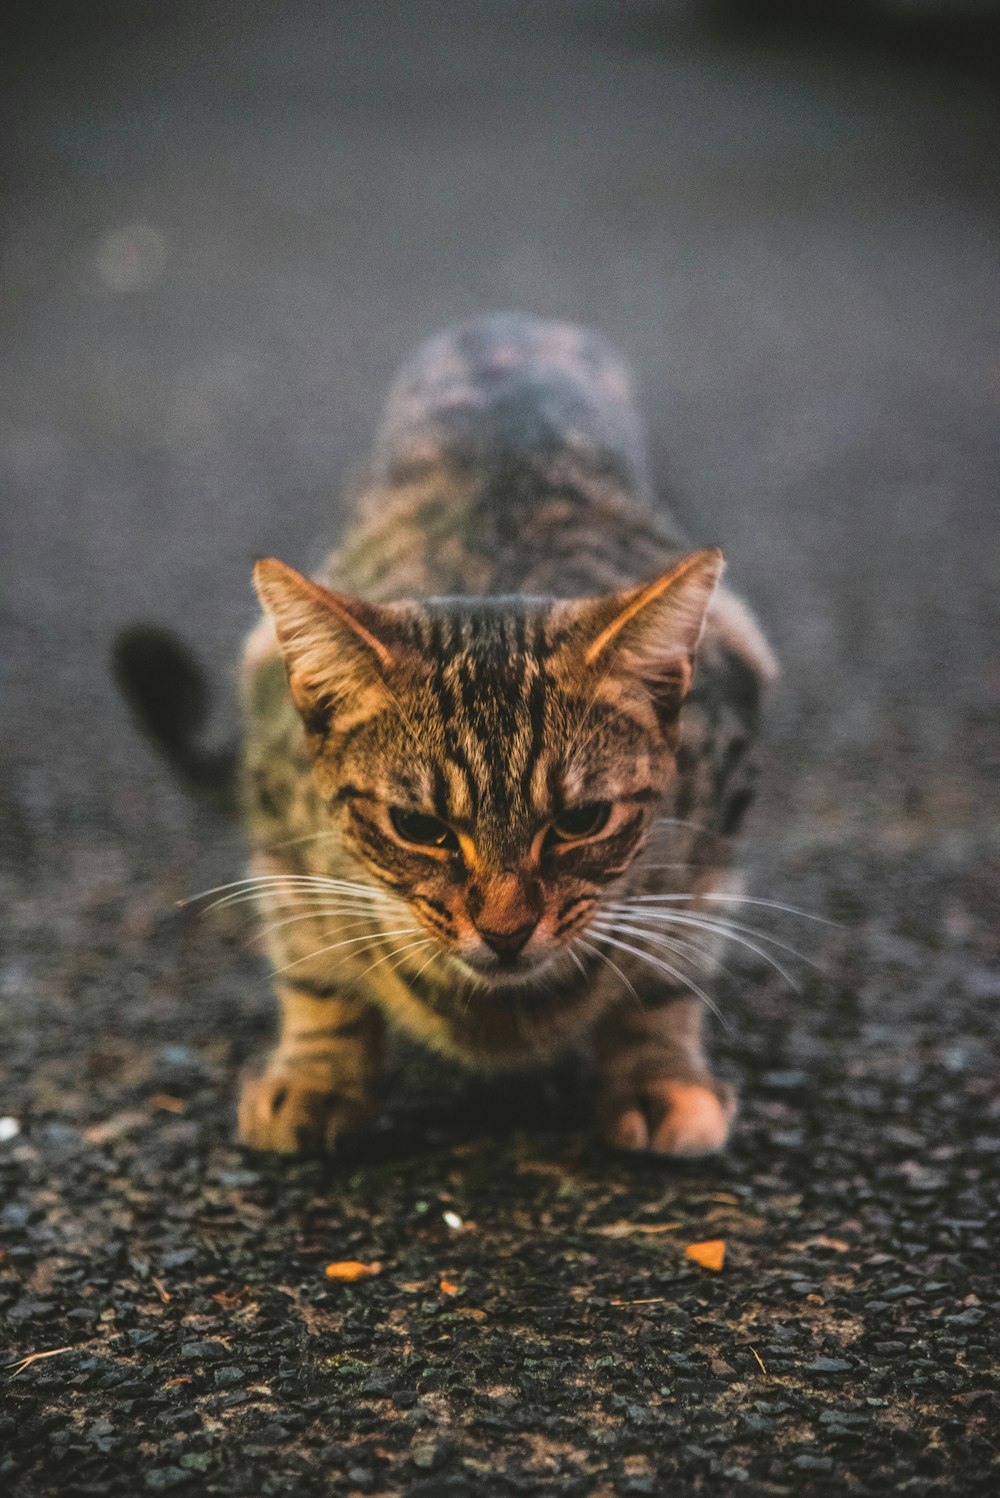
507, 388
511, 459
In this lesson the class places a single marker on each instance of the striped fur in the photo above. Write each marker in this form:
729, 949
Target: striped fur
505, 643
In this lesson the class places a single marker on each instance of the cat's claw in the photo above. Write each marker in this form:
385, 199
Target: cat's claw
282, 1112
669, 1117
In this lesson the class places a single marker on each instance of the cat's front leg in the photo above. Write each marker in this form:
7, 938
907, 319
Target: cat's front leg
657, 1093
319, 1081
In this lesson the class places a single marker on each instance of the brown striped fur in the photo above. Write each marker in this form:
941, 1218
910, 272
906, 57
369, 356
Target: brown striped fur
508, 634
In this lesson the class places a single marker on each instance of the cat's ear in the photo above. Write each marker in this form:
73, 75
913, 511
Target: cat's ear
335, 648
652, 632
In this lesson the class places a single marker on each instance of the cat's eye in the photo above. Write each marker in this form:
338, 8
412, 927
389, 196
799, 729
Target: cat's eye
581, 821
417, 827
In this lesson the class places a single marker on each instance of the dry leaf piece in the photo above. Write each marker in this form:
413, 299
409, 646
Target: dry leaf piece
349, 1271
710, 1255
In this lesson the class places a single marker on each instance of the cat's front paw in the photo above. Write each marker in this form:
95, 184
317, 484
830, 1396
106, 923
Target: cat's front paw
669, 1117
290, 1114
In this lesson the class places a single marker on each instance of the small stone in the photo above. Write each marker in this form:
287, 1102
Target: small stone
785, 1081
843, 1417
971, 1317
829, 1365
162, 1479
179, 1258
202, 1352
807, 1463
31, 1310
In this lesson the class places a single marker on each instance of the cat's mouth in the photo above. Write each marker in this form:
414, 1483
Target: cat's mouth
498, 973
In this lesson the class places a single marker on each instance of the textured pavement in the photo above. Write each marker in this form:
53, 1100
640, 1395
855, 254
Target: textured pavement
223, 227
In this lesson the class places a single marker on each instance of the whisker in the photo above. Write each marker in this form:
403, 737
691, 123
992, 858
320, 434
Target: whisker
402, 931
807, 915
682, 822
679, 945
730, 930
310, 915
301, 892
425, 966
587, 947
576, 959
262, 881
299, 899
717, 923
679, 977
407, 947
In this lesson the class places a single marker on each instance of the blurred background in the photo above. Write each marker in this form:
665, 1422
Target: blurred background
225, 224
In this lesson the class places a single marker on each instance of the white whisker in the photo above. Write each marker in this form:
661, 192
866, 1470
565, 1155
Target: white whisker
377, 936
312, 915
407, 947
424, 967
732, 930
292, 881
300, 899
807, 915
654, 961
571, 953
682, 822
587, 947
676, 944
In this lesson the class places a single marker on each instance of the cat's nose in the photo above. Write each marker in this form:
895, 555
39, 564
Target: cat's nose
508, 943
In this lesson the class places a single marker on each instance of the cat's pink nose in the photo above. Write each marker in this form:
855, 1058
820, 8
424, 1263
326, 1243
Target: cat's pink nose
508, 943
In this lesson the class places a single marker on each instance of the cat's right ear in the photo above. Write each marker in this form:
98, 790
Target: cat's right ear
335, 648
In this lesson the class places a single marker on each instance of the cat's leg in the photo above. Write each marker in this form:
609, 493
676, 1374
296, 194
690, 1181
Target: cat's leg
657, 1093
319, 1080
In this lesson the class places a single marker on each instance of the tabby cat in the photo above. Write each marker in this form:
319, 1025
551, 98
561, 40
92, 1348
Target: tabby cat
491, 798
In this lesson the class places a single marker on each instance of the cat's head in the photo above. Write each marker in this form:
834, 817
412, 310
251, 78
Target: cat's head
495, 762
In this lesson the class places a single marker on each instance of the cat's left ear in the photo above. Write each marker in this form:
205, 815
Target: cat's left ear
652, 632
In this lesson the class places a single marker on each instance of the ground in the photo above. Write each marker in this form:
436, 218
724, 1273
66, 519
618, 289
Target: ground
225, 227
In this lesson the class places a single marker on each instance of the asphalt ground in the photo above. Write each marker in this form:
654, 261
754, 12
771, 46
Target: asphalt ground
223, 228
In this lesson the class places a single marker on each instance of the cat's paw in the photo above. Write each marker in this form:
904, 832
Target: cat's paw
281, 1111
669, 1117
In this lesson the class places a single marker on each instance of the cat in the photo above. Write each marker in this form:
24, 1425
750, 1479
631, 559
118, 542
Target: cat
496, 755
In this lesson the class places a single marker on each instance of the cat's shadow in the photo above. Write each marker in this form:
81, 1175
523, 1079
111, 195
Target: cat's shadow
432, 1109
430, 1106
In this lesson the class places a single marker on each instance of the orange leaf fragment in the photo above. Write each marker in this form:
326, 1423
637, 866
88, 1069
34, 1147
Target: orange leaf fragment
349, 1271
710, 1255
233, 1299
448, 1287
168, 1103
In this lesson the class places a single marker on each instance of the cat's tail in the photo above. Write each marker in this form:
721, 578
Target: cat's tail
168, 693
